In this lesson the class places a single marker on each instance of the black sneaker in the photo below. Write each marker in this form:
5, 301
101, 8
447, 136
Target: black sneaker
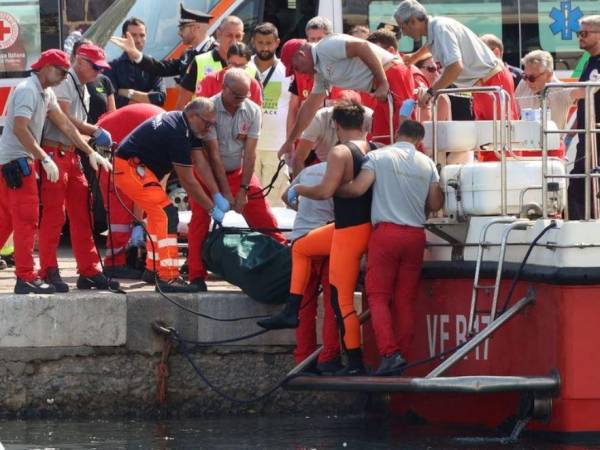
36, 286
176, 285
3, 264
392, 365
149, 276
98, 281
126, 272
200, 285
53, 277
9, 259
330, 367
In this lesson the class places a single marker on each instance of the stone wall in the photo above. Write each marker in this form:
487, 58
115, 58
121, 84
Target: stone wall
95, 355
79, 14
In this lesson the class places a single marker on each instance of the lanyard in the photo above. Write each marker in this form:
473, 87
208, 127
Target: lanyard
268, 77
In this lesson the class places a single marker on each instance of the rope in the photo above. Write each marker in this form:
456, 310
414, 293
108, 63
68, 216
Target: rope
269, 187
162, 373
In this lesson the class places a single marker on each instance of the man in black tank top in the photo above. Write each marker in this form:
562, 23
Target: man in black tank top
345, 240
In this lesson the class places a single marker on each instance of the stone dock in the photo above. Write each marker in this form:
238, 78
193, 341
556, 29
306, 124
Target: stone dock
95, 354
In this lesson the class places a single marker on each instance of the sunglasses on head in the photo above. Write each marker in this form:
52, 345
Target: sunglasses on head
585, 33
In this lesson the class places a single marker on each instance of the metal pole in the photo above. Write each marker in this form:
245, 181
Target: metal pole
483, 335
503, 135
588, 143
434, 143
391, 118
544, 140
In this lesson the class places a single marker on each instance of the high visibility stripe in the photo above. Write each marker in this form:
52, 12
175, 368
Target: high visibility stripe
119, 228
169, 262
167, 242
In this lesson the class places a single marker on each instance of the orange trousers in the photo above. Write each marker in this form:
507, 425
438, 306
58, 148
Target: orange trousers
142, 186
345, 247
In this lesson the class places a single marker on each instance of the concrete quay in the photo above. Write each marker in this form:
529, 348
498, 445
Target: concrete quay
94, 354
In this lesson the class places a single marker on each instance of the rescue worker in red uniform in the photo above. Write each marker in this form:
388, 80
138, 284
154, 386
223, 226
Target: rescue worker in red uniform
28, 107
119, 124
465, 58
231, 149
71, 193
350, 63
169, 141
397, 243
345, 240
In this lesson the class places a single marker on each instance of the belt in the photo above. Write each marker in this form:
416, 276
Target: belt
58, 145
495, 71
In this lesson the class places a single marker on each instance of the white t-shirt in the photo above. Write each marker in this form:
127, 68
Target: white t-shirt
450, 41
311, 213
334, 68
276, 102
559, 101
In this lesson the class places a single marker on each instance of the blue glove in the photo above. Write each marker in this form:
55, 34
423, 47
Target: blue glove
217, 214
102, 138
407, 107
292, 196
221, 202
138, 236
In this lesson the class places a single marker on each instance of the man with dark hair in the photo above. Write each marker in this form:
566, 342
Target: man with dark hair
131, 83
193, 26
345, 240
238, 56
271, 73
405, 186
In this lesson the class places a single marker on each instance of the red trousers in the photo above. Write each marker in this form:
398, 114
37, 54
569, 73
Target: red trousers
119, 219
306, 333
70, 193
257, 213
394, 261
19, 209
402, 86
483, 104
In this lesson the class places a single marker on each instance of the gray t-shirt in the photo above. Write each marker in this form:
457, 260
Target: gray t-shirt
450, 41
311, 213
70, 91
28, 100
321, 130
231, 132
334, 68
403, 176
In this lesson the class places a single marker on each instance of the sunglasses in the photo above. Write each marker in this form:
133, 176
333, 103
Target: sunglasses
95, 67
430, 69
585, 33
531, 78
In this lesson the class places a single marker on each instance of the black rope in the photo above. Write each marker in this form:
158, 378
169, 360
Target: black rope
182, 348
269, 187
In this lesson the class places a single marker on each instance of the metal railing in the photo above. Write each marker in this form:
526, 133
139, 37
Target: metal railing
591, 155
496, 93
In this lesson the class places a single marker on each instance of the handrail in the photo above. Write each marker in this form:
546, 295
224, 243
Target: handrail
591, 182
505, 128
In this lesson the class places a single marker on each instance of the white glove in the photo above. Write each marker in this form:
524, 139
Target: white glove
97, 160
50, 168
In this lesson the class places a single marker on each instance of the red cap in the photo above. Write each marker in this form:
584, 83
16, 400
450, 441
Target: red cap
53, 57
94, 54
288, 51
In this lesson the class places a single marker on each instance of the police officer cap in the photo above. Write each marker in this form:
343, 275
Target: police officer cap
189, 16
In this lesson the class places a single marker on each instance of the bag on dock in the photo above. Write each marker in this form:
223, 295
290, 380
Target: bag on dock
259, 265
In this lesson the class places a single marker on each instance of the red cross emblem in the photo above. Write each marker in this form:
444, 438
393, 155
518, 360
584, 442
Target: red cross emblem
9, 30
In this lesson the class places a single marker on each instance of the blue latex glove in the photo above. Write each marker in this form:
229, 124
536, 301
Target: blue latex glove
138, 237
221, 202
217, 214
292, 196
407, 107
568, 140
102, 138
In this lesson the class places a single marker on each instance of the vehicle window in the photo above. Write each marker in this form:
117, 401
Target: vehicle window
21, 34
558, 22
161, 20
480, 16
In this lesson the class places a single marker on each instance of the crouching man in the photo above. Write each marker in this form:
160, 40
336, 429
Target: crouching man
169, 141
405, 187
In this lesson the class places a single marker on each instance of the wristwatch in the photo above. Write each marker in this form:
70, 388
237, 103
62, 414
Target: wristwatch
430, 92
244, 187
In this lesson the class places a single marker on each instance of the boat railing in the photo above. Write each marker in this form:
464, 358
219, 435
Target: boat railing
591, 156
